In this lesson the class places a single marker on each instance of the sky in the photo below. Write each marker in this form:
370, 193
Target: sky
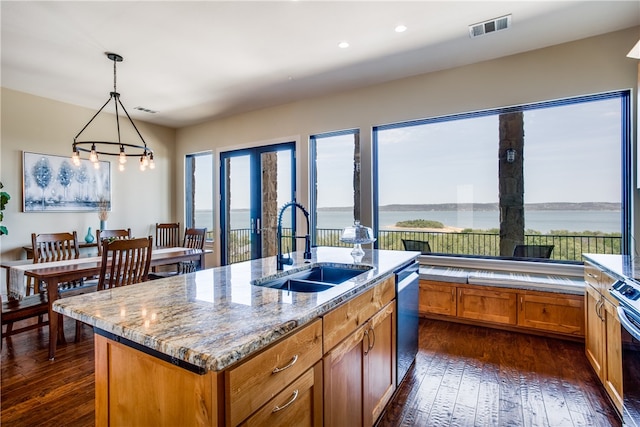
572, 154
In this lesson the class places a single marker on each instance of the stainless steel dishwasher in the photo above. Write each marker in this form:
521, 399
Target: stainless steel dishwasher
407, 291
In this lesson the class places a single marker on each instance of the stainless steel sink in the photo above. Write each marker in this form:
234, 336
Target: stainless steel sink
315, 279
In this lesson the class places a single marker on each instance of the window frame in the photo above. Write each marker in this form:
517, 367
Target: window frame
625, 161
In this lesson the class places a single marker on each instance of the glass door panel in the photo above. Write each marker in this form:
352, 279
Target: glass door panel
255, 183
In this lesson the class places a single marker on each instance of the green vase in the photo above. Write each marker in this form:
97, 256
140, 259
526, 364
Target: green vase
89, 237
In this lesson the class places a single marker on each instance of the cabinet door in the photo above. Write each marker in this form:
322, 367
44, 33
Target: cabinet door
552, 312
379, 363
594, 330
488, 305
299, 404
343, 375
613, 382
437, 298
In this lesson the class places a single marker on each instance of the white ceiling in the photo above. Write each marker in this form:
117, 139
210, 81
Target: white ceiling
196, 60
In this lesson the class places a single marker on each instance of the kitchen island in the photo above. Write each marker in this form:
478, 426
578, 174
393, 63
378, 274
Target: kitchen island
169, 349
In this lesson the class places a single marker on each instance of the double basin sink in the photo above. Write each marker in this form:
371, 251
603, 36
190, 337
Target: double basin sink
315, 279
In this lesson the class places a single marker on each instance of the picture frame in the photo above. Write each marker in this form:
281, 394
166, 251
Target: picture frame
53, 183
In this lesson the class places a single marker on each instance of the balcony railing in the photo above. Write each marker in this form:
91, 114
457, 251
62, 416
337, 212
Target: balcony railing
566, 247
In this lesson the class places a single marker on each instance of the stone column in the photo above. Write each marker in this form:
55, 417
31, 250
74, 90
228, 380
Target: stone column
511, 182
356, 177
269, 224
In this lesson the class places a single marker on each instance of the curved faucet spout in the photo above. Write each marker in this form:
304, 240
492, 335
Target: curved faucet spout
280, 259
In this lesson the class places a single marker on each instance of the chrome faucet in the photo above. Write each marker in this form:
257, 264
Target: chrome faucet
281, 260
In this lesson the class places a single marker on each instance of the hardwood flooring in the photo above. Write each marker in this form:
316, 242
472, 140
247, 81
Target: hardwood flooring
474, 376
463, 376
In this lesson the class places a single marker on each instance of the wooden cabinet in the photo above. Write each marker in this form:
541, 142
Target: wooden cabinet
613, 346
548, 312
359, 372
360, 357
594, 329
603, 343
267, 376
552, 312
137, 389
437, 298
496, 306
299, 404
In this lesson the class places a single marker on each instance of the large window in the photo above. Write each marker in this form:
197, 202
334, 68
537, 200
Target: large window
199, 191
335, 180
551, 174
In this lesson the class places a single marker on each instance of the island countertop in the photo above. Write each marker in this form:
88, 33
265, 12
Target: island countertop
215, 317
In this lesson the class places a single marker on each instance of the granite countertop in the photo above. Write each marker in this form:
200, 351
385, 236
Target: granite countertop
215, 317
619, 266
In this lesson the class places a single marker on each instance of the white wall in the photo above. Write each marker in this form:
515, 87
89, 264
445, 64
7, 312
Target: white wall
39, 125
586, 66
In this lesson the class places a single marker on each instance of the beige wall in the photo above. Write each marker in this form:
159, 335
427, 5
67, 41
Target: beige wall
39, 125
587, 66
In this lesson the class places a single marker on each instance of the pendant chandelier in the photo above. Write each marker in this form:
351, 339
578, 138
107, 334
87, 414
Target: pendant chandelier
111, 148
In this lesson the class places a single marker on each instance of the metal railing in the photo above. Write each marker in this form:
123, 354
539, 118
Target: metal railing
566, 247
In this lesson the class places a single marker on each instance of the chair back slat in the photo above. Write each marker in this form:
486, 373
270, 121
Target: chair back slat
130, 262
48, 247
111, 235
167, 235
194, 238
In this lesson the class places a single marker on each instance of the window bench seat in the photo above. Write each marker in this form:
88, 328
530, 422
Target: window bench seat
506, 279
531, 297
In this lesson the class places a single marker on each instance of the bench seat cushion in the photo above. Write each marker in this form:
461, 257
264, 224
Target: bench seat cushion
550, 283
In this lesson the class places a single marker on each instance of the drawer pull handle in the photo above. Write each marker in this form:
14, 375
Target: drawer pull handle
293, 362
293, 399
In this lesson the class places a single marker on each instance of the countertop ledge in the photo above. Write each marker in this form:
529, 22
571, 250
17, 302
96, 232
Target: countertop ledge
214, 318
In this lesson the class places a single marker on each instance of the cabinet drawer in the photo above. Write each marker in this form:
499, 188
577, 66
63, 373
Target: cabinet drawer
592, 275
490, 306
299, 404
437, 298
555, 313
254, 382
342, 321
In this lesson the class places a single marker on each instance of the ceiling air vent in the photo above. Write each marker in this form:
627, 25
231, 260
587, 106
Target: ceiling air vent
146, 110
490, 26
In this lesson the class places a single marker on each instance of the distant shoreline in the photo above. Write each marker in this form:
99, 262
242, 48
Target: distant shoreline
551, 206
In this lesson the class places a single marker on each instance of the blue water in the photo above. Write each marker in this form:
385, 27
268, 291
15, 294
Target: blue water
542, 221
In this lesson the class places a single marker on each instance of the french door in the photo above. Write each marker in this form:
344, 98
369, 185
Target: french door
255, 183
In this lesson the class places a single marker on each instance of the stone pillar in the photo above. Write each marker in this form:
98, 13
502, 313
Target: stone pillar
356, 177
511, 182
269, 224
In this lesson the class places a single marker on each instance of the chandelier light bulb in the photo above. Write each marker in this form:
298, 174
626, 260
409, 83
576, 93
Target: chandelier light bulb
152, 164
93, 156
122, 158
75, 158
142, 165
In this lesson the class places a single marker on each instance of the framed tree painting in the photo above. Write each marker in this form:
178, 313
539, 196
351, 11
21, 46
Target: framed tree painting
54, 184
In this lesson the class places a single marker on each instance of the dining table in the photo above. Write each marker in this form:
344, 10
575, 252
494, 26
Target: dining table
57, 272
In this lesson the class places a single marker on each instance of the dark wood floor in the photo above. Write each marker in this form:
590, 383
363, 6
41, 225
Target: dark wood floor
463, 376
473, 376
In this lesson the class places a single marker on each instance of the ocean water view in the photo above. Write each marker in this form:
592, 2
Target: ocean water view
543, 221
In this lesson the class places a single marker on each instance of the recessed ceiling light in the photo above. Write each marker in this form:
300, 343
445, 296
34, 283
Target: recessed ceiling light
401, 29
343, 45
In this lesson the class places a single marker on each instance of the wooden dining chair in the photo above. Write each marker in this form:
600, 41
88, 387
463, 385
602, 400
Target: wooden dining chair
167, 235
125, 262
194, 238
111, 235
47, 247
